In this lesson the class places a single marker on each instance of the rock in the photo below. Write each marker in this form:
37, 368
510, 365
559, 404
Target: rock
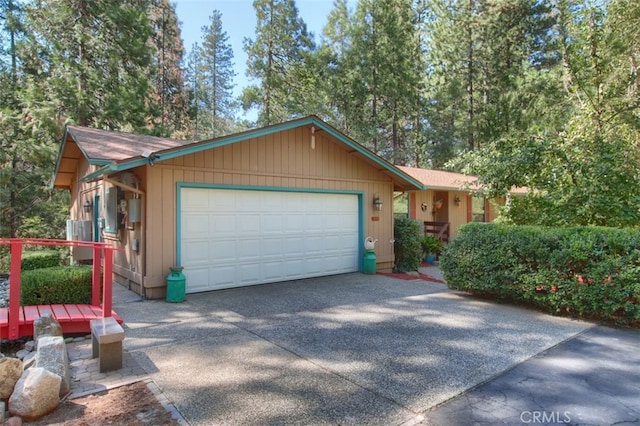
10, 372
46, 325
30, 346
13, 421
22, 353
35, 394
29, 360
2, 409
52, 356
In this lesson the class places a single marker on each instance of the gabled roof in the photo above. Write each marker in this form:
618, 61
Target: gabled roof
448, 181
101, 147
440, 179
117, 152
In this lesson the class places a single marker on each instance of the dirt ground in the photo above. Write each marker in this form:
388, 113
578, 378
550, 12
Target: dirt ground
134, 404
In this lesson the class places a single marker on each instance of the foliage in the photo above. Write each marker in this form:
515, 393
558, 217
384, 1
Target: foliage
430, 245
407, 235
276, 58
582, 165
62, 284
40, 259
168, 100
585, 272
211, 82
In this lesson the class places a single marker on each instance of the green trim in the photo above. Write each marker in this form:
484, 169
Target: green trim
59, 158
251, 134
181, 185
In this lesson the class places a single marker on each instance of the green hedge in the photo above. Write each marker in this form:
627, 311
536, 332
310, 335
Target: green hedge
61, 284
585, 272
407, 235
32, 260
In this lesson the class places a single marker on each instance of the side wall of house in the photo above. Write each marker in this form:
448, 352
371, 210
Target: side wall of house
127, 262
282, 160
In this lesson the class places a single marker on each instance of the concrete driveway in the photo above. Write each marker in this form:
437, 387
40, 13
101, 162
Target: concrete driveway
348, 349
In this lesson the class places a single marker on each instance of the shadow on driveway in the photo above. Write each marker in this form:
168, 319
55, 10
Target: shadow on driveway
347, 349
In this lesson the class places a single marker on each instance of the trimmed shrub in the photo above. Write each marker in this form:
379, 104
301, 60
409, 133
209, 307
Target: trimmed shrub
407, 246
40, 259
585, 272
32, 260
60, 284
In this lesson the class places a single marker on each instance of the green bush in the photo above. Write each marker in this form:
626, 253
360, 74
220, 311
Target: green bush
31, 260
430, 245
585, 272
40, 259
408, 250
60, 284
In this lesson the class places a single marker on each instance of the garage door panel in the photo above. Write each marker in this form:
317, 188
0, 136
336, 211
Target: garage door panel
247, 226
198, 252
272, 271
249, 274
222, 251
253, 237
219, 201
221, 276
199, 278
272, 247
271, 223
293, 223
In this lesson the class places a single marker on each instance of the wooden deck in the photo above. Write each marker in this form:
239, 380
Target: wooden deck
72, 318
17, 321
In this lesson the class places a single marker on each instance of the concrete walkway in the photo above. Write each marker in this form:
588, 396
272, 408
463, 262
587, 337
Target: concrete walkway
355, 349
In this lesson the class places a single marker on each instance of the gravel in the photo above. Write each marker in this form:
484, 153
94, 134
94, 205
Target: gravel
4, 292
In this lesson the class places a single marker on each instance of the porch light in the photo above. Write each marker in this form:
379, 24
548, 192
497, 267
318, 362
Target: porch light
87, 206
377, 202
456, 200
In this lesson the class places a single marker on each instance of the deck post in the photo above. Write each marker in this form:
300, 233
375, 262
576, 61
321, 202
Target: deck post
107, 281
14, 289
95, 281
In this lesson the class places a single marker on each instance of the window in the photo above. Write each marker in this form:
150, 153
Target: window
478, 209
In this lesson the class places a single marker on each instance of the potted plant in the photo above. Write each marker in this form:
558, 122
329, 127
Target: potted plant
431, 247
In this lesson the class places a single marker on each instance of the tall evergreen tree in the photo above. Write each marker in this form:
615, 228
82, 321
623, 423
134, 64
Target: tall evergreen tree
383, 54
276, 59
97, 70
333, 55
169, 96
216, 76
26, 148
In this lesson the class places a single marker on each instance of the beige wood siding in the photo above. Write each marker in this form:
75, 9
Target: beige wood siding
280, 160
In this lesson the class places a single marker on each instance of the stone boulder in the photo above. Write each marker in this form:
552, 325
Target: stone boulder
10, 372
46, 325
52, 356
36, 394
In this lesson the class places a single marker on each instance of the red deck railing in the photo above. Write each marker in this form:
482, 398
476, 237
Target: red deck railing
17, 316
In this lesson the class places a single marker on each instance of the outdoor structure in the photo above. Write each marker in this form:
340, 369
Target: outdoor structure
447, 201
288, 201
17, 320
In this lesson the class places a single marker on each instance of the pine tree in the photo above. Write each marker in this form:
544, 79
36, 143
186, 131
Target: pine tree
382, 56
216, 76
97, 70
27, 150
276, 59
169, 96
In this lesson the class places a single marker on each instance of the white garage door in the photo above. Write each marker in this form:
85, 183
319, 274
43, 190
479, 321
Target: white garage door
232, 238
